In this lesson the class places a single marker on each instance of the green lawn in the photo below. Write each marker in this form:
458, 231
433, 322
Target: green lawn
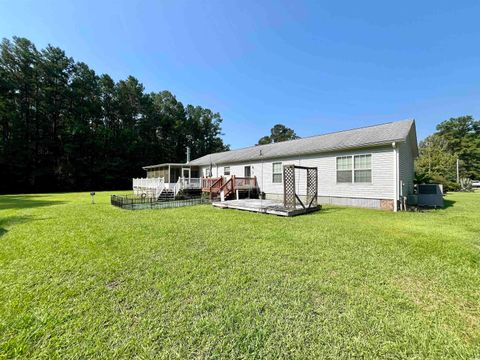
96, 281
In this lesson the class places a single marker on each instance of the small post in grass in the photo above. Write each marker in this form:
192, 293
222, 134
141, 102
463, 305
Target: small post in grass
92, 194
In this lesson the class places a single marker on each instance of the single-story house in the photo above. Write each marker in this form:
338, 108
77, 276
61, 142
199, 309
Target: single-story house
365, 167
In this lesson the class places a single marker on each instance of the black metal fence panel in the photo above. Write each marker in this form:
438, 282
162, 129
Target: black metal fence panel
138, 202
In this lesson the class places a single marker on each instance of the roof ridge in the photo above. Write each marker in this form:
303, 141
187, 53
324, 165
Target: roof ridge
308, 137
357, 128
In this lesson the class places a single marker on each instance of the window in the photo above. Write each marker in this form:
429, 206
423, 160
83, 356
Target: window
363, 168
226, 170
344, 169
277, 172
358, 171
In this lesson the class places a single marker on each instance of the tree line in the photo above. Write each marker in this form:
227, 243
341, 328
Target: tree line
455, 139
65, 128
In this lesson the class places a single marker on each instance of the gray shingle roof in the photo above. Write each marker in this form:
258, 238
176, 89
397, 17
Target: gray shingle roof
356, 138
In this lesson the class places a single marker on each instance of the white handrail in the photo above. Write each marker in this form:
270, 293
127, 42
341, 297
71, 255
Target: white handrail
152, 187
192, 183
187, 183
177, 187
148, 182
160, 189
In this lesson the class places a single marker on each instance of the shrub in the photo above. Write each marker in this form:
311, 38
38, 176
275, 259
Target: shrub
448, 185
422, 178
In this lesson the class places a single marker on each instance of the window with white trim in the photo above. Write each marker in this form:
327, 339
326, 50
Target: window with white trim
362, 165
277, 172
354, 169
344, 169
226, 170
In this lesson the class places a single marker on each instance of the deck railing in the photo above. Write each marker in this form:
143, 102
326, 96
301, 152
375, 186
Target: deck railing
214, 184
245, 182
191, 183
207, 183
187, 183
151, 187
227, 188
217, 185
148, 182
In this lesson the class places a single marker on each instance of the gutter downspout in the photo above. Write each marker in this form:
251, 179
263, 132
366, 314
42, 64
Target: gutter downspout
395, 177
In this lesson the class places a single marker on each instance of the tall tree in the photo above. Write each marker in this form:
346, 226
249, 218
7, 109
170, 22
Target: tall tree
435, 160
82, 133
456, 139
462, 136
278, 133
168, 126
20, 77
53, 114
205, 131
63, 127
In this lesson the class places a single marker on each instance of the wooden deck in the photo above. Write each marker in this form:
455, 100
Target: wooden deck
264, 206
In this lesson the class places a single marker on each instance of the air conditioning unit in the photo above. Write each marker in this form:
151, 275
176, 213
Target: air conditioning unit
430, 195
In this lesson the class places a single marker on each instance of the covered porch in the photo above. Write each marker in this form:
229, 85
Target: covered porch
172, 172
166, 181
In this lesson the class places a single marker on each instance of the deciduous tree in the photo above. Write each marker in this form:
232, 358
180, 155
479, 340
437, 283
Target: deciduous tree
278, 133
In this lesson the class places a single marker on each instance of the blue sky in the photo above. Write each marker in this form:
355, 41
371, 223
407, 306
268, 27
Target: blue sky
315, 66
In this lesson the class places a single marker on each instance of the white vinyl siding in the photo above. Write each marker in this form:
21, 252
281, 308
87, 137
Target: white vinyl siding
277, 172
381, 186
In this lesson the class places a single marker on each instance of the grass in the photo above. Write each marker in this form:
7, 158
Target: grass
82, 280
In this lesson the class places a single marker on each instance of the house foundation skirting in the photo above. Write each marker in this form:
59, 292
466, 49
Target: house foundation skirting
384, 204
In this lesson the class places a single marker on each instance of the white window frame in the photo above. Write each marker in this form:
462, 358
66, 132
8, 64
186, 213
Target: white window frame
353, 169
277, 173
336, 169
225, 170
353, 166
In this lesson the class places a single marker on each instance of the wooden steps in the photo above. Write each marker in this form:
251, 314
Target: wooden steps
226, 188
